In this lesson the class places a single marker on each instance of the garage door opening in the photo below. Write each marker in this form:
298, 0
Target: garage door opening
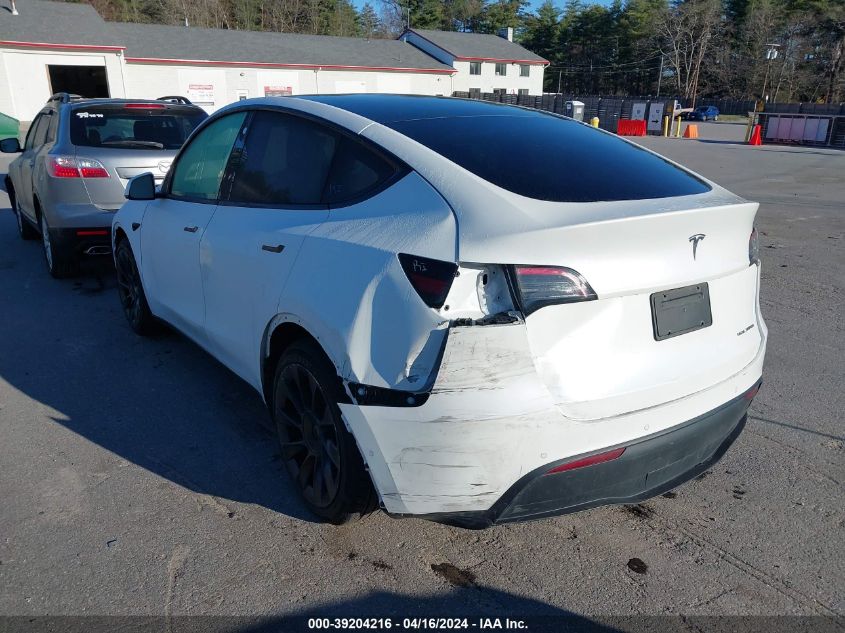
86, 81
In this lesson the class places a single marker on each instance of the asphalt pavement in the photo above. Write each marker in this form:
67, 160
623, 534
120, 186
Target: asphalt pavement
137, 478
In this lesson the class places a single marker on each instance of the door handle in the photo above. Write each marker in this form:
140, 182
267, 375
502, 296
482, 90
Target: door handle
191, 229
278, 248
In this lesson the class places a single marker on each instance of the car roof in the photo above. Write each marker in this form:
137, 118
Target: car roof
391, 108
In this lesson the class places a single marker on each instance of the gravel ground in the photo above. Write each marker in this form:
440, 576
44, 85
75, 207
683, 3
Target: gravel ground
136, 477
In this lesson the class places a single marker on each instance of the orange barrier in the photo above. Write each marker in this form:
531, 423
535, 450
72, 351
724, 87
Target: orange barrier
756, 137
625, 127
691, 131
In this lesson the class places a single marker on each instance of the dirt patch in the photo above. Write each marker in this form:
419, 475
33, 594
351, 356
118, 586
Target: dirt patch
454, 575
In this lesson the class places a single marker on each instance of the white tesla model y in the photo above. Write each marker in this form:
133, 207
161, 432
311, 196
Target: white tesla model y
463, 311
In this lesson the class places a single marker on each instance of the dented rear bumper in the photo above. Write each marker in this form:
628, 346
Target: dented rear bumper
646, 468
472, 453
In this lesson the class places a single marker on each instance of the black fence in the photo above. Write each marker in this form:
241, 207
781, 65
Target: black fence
805, 108
609, 109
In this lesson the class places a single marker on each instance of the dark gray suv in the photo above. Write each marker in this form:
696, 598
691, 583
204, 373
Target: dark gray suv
75, 163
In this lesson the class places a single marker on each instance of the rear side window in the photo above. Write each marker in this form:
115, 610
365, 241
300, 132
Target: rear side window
290, 160
133, 128
284, 160
550, 158
200, 167
355, 171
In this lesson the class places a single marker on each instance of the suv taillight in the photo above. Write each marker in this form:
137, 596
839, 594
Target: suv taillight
539, 286
431, 278
72, 167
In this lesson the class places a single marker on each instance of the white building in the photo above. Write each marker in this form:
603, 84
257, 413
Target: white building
483, 63
67, 47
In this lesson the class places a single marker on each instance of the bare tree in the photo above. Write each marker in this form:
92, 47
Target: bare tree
687, 31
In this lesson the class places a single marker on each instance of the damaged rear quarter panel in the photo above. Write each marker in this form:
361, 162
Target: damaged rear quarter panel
349, 290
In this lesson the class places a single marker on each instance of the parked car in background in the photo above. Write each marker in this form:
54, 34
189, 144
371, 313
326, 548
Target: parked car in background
445, 312
703, 113
75, 163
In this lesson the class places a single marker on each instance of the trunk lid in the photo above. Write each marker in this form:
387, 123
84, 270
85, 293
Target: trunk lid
122, 164
601, 358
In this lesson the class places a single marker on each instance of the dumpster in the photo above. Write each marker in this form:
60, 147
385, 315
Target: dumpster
574, 110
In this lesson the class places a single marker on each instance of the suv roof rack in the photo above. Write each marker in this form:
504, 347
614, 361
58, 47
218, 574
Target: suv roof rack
175, 99
65, 97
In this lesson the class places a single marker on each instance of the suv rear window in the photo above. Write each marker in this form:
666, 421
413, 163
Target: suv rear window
549, 158
133, 128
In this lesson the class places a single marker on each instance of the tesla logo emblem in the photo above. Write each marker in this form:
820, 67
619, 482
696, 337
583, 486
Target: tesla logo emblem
695, 239
164, 165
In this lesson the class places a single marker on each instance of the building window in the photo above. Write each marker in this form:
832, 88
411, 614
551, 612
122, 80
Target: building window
475, 93
501, 70
500, 91
524, 70
523, 92
475, 68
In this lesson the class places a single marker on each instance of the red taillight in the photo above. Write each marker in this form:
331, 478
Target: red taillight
71, 167
63, 167
431, 278
539, 286
89, 233
145, 106
588, 461
749, 395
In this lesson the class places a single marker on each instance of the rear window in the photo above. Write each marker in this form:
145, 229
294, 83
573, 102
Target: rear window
164, 128
549, 158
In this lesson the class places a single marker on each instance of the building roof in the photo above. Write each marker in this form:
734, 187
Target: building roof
78, 25
478, 46
75, 25
178, 43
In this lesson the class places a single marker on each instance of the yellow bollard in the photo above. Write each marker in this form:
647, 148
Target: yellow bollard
666, 126
594, 121
678, 129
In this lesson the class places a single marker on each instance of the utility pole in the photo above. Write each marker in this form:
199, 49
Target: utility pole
771, 53
660, 75
559, 77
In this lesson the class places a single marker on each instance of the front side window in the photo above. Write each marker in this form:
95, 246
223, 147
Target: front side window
475, 68
524, 70
200, 167
501, 70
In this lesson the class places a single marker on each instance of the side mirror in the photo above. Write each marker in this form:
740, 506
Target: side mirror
141, 187
10, 146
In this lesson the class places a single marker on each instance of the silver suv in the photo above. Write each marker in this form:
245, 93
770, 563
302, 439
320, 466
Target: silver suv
75, 163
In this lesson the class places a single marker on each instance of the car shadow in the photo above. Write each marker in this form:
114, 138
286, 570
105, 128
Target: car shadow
160, 403
481, 606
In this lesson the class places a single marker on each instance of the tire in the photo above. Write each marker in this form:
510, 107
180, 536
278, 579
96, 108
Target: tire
130, 290
60, 265
25, 229
320, 455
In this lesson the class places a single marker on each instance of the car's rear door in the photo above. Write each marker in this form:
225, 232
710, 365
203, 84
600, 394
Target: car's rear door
270, 203
174, 224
